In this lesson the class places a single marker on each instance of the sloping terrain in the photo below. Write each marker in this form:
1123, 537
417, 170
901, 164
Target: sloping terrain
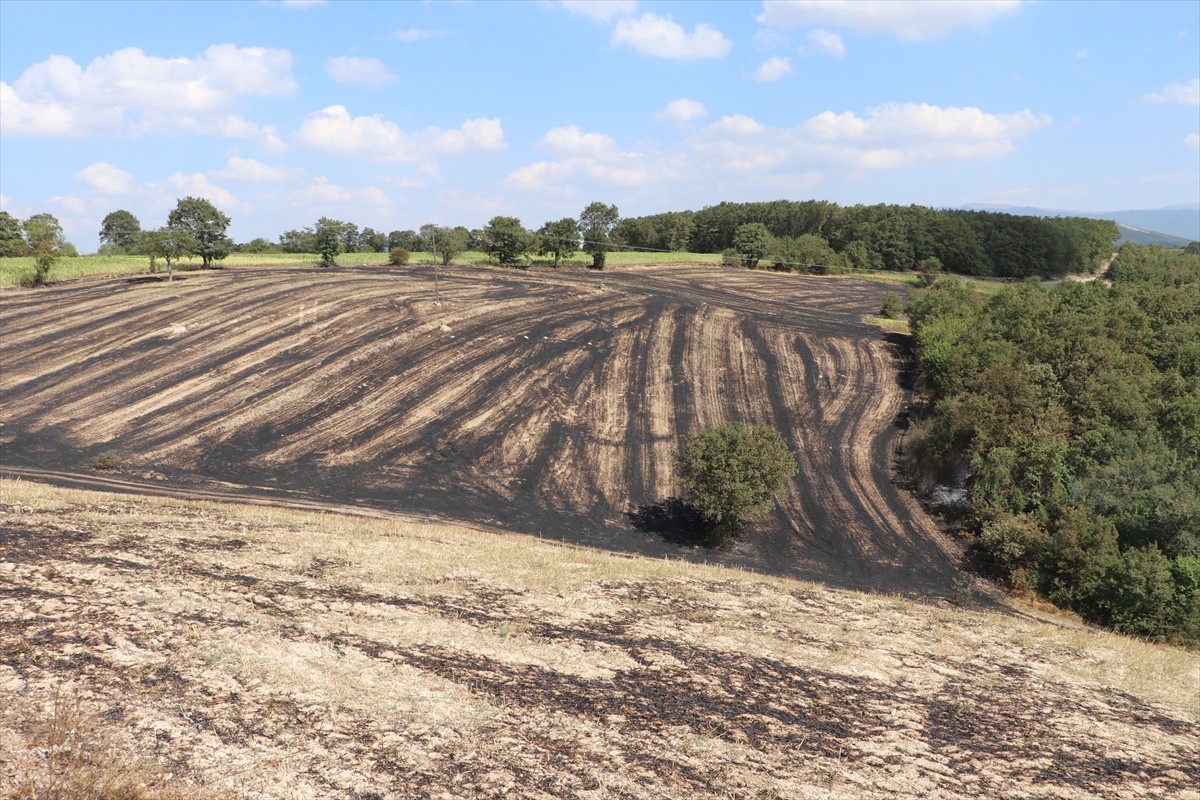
271, 653
547, 403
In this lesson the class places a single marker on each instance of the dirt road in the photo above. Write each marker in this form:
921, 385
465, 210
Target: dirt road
547, 403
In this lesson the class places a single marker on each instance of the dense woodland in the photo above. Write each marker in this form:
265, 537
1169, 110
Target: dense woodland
1071, 417
888, 237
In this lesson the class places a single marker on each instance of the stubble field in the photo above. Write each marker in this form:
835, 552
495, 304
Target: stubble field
544, 402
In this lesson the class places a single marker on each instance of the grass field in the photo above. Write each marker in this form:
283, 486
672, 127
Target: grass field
240, 651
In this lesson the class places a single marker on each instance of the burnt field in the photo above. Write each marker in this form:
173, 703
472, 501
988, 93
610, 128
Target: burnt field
545, 403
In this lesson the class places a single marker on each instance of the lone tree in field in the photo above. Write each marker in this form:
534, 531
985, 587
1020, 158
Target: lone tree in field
169, 244
733, 474
119, 231
206, 226
45, 240
450, 243
328, 241
597, 223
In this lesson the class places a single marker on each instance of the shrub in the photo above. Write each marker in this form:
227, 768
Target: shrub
731, 258
892, 306
398, 257
733, 474
107, 460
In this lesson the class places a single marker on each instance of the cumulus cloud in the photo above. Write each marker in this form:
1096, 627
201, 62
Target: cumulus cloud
252, 171
105, 178
1187, 94
663, 37
129, 91
913, 20
826, 42
682, 111
600, 10
773, 69
353, 69
373, 138
198, 185
580, 154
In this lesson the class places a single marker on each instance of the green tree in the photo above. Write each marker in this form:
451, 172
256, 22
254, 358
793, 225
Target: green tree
328, 239
12, 239
752, 241
597, 224
169, 244
449, 243
120, 230
733, 474
560, 239
507, 240
205, 225
44, 238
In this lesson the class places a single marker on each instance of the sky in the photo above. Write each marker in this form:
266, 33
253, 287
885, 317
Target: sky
391, 115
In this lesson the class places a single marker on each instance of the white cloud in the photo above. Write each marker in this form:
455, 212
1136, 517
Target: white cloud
333, 130
914, 20
411, 35
653, 35
128, 89
105, 178
353, 69
773, 69
198, 185
681, 111
737, 125
826, 42
571, 141
1186, 93
1192, 140
250, 170
600, 10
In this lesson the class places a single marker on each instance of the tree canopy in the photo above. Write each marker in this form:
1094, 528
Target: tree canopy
120, 231
205, 225
598, 223
733, 474
559, 239
507, 240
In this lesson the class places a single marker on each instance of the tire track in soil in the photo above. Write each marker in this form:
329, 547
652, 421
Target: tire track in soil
548, 402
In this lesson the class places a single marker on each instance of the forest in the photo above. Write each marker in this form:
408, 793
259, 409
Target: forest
1070, 420
889, 237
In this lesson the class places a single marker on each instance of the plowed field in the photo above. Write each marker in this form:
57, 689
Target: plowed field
547, 403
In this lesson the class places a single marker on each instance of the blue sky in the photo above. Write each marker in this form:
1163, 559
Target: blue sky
391, 115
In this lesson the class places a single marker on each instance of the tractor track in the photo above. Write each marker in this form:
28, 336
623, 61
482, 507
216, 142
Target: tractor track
544, 402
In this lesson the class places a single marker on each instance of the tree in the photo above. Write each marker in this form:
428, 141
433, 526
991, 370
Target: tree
301, 241
120, 230
560, 239
12, 238
169, 244
372, 241
403, 240
752, 242
450, 243
206, 226
733, 474
328, 239
597, 223
44, 238
507, 240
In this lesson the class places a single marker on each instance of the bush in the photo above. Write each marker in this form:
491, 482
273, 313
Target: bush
892, 306
731, 258
107, 460
733, 474
398, 257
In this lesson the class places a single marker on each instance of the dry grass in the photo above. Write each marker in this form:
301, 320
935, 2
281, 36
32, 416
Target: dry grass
267, 652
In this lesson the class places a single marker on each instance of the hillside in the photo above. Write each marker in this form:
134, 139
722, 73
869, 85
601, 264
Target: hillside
545, 402
257, 652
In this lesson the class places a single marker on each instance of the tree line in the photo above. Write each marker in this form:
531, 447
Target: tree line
813, 235
1071, 419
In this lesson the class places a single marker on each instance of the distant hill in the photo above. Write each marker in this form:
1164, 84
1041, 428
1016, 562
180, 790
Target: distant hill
1173, 226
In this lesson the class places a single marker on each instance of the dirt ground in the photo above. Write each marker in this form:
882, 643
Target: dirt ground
270, 653
545, 402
